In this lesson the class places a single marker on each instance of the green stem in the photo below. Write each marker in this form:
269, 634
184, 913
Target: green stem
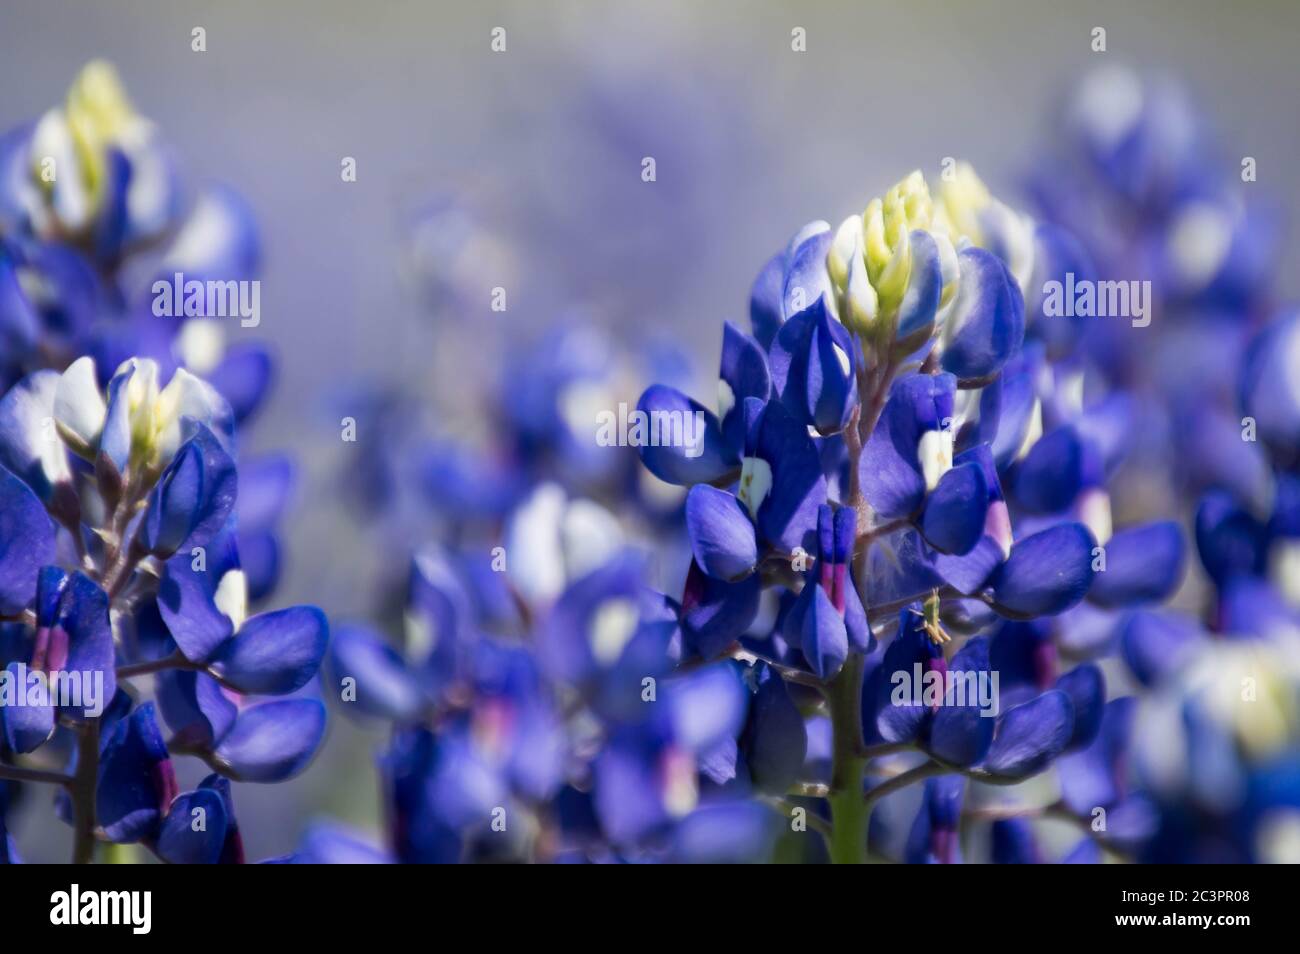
848, 810
82, 791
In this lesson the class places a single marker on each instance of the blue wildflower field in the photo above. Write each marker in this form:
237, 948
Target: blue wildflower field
373, 498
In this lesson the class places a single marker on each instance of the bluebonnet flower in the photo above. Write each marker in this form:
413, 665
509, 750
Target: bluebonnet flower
1134, 175
1210, 745
899, 351
935, 834
1181, 770
91, 198
120, 562
1135, 181
504, 748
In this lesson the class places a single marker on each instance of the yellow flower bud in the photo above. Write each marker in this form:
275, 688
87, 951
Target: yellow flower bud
886, 227
98, 114
961, 200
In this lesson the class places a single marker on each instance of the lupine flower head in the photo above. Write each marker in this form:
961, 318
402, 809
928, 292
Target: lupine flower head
126, 638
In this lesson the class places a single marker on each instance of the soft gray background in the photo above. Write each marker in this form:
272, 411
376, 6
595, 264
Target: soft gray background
751, 139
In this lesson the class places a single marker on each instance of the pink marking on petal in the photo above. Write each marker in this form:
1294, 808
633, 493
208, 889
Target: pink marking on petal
42, 648
693, 591
57, 654
940, 665
164, 784
997, 525
839, 580
943, 841
1045, 662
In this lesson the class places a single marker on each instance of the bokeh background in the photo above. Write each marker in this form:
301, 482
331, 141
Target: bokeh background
541, 148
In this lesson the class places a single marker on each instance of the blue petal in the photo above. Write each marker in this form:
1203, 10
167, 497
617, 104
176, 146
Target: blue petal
933, 838
988, 316
1013, 843
1086, 852
721, 534
384, 685
745, 374
566, 640
1143, 565
185, 602
84, 616
325, 843
969, 571
789, 361
218, 241
628, 791
901, 722
920, 303
1051, 475
735, 832
812, 384
713, 459
243, 378
788, 515
765, 307
831, 384
1007, 404
29, 722
1086, 688
437, 600
419, 833
51, 583
19, 322
1268, 392
1091, 778
706, 706
718, 764
26, 543
272, 741
1229, 540
890, 468
953, 518
115, 441
1030, 735
807, 279
775, 740
1024, 654
824, 641
274, 653
855, 619
1057, 254
961, 733
1153, 644
1046, 574
110, 227
179, 842
135, 774
1250, 606
193, 497
194, 706
259, 557
617, 691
